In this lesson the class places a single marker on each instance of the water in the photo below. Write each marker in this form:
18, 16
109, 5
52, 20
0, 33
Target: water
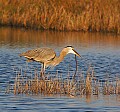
101, 51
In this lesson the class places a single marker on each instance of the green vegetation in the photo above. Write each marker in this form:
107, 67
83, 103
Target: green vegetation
65, 15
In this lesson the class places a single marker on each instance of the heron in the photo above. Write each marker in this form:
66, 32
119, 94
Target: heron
47, 56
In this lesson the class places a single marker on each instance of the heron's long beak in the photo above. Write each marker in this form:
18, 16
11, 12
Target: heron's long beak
76, 53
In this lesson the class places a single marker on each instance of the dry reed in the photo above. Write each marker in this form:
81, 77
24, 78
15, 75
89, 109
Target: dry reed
68, 15
59, 85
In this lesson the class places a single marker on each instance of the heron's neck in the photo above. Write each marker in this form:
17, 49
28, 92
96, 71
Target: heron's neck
57, 59
60, 58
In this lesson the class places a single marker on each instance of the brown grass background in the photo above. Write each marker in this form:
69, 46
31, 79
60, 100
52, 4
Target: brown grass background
65, 15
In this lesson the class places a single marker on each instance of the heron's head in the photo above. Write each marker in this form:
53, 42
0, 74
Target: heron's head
70, 49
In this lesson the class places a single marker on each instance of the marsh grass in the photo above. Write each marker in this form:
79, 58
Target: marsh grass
68, 15
81, 84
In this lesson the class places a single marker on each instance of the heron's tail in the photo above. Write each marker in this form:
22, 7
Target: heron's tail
22, 54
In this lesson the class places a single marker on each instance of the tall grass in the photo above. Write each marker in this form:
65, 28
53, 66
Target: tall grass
68, 86
68, 15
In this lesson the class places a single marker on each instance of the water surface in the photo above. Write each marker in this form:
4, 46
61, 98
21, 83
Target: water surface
100, 50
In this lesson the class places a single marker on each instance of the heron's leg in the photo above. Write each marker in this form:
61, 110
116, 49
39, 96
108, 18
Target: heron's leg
42, 71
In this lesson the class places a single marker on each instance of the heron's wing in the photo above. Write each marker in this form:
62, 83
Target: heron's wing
40, 54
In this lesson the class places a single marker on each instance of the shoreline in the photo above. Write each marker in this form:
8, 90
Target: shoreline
51, 30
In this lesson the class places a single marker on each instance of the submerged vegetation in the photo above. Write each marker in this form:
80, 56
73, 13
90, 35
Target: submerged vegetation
68, 15
72, 85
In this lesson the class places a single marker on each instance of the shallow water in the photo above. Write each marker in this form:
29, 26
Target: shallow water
101, 51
